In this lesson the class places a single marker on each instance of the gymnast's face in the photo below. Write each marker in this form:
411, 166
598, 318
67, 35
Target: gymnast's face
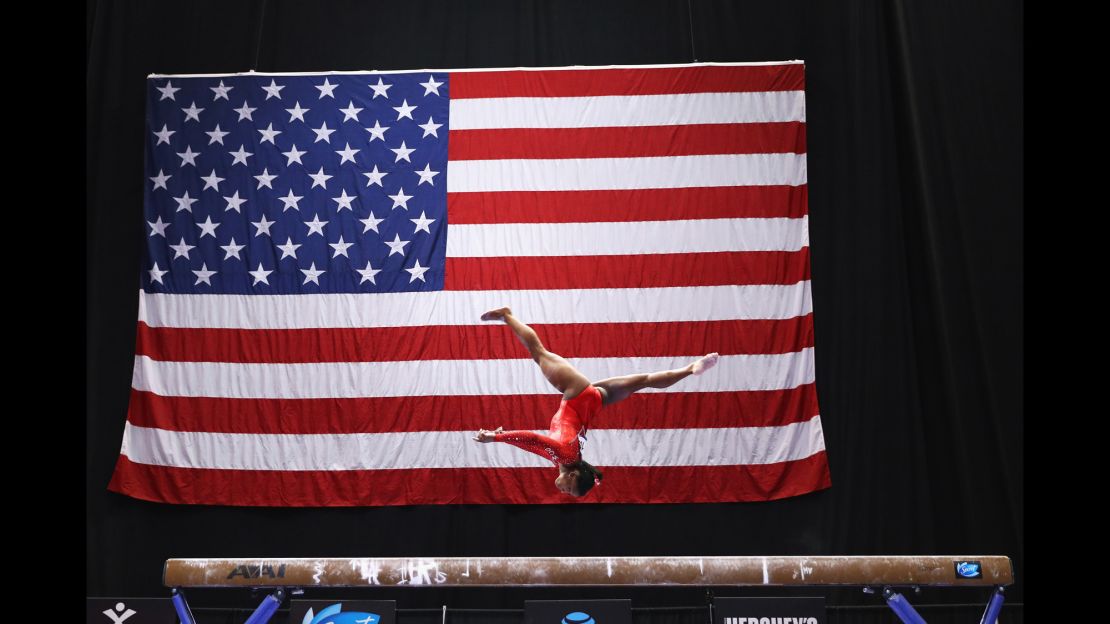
566, 482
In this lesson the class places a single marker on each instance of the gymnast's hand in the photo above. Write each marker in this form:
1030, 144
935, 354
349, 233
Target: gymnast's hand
486, 435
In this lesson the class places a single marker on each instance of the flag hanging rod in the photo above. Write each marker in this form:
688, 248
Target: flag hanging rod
475, 69
591, 571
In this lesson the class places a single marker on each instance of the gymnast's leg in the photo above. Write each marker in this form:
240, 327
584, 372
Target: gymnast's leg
559, 372
620, 388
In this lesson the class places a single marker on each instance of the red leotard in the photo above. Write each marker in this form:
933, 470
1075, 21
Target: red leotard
561, 446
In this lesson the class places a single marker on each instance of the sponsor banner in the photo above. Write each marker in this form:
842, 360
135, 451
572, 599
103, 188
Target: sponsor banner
130, 611
345, 612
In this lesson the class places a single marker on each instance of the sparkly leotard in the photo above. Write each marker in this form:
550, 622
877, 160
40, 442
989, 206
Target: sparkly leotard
561, 445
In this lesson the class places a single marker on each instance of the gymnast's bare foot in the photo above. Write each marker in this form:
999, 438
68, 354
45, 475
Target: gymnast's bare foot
496, 315
704, 364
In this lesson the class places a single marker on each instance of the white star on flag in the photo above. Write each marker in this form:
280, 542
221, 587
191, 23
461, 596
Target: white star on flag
217, 136
371, 223
350, 112
182, 249
431, 86
212, 181
269, 134
347, 153
380, 89
221, 91
294, 156
418, 272
316, 226
397, 246
260, 275
232, 250
265, 179
158, 228
288, 250
326, 89
402, 153
192, 112
290, 201
320, 178
400, 199
261, 226
404, 110
188, 157
241, 156
312, 275
430, 128
368, 273
296, 112
234, 202
203, 275
156, 274
168, 91
422, 223
164, 135
377, 132
245, 112
375, 176
344, 200
207, 228
340, 248
185, 202
426, 175
160, 180
273, 90
323, 133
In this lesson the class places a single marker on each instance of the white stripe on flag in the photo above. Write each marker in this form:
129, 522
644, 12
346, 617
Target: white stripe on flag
626, 238
320, 380
609, 111
600, 305
593, 174
456, 449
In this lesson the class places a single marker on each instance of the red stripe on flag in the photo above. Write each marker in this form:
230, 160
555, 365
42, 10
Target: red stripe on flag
640, 81
669, 410
471, 342
668, 484
688, 140
634, 271
719, 202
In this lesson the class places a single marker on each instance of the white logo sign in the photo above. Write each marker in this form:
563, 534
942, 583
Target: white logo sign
122, 614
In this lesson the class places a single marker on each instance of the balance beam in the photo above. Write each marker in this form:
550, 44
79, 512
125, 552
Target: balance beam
997, 571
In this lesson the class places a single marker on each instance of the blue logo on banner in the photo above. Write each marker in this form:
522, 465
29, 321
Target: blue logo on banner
578, 618
332, 615
969, 569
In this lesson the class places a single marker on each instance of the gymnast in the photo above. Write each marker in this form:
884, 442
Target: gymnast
581, 401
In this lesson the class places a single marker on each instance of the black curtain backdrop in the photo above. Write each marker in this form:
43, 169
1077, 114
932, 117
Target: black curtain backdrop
915, 138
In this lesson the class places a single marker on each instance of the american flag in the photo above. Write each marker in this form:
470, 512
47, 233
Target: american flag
319, 248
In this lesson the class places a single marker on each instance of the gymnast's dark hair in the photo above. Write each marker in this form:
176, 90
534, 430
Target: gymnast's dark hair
586, 475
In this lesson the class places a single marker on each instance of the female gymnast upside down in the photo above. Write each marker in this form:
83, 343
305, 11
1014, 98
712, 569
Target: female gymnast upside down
581, 401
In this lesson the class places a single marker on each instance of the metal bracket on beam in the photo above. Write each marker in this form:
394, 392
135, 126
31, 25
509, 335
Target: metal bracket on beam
267, 608
177, 596
994, 606
261, 614
902, 607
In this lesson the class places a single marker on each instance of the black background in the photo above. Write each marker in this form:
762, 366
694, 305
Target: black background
915, 161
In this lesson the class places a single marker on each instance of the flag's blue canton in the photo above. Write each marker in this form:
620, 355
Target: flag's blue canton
275, 185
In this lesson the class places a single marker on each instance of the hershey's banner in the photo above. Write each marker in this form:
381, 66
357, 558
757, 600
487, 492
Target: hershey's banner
769, 610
